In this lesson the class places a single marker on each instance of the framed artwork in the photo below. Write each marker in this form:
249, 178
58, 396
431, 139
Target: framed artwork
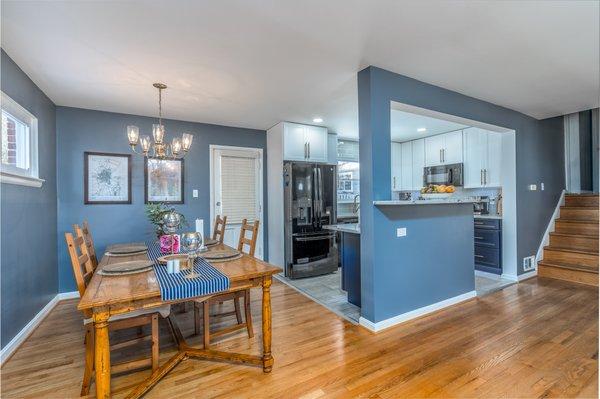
106, 178
163, 180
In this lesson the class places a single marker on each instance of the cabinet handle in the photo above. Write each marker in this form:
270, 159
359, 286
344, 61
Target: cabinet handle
309, 149
478, 238
479, 256
305, 150
485, 177
481, 176
478, 223
394, 181
441, 155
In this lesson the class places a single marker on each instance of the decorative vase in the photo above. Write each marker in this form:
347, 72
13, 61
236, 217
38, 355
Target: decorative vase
169, 243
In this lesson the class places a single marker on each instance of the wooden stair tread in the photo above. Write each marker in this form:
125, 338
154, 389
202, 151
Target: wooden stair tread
570, 266
565, 249
565, 220
583, 207
555, 233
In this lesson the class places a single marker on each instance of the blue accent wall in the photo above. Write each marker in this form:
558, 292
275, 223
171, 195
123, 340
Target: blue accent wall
85, 130
28, 262
539, 158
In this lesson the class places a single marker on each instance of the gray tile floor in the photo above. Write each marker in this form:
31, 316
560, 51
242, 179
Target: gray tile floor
326, 291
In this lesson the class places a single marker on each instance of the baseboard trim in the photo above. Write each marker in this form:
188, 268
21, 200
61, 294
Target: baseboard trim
413, 314
550, 228
488, 275
14, 344
527, 275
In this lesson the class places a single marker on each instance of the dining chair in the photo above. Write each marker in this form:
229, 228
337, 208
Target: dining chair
83, 271
84, 231
243, 292
219, 228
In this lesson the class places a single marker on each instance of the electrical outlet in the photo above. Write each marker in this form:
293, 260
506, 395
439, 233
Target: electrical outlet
401, 232
529, 263
532, 187
195, 193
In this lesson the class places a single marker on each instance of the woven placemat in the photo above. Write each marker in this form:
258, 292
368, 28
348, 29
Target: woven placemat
209, 260
127, 249
103, 273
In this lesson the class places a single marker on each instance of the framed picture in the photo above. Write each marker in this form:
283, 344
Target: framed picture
106, 178
163, 180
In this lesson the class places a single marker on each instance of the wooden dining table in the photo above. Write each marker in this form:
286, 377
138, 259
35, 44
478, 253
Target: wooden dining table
107, 296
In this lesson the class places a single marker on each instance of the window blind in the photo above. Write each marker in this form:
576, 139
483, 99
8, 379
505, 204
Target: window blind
238, 188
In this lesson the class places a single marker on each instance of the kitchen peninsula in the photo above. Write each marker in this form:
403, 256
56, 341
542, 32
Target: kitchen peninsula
350, 259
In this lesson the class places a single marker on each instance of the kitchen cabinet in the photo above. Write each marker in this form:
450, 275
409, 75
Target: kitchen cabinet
406, 166
418, 163
488, 245
332, 149
482, 158
304, 143
444, 149
347, 150
396, 166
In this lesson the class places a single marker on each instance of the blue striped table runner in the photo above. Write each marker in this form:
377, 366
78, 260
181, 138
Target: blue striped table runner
176, 286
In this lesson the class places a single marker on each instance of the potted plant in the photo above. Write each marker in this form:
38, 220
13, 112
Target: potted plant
155, 213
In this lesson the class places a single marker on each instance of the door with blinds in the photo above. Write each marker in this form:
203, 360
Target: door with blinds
237, 190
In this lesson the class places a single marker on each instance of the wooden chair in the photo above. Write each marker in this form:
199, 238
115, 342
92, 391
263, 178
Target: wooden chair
84, 232
83, 269
219, 228
233, 296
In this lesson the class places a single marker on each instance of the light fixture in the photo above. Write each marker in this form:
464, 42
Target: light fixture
178, 147
421, 129
318, 120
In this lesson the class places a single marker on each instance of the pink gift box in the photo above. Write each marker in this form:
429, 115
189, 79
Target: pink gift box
169, 243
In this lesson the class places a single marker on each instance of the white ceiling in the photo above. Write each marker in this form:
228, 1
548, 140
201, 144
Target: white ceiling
254, 63
404, 125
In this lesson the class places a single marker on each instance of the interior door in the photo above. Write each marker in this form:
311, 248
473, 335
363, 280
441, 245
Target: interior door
236, 191
453, 147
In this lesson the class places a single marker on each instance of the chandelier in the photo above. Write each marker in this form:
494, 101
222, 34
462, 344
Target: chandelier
178, 147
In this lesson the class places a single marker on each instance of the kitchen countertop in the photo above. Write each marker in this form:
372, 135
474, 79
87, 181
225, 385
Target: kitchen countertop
353, 228
497, 217
424, 202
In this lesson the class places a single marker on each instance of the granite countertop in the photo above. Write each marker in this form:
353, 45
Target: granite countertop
497, 217
353, 228
425, 202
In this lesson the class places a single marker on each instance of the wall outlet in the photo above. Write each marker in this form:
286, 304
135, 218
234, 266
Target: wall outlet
195, 193
401, 232
532, 187
529, 263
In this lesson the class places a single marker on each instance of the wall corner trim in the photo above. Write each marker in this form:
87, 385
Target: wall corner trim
413, 314
550, 228
30, 327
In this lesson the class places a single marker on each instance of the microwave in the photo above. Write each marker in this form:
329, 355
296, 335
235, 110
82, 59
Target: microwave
444, 174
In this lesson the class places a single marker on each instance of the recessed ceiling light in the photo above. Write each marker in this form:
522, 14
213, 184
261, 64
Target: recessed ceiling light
318, 120
421, 129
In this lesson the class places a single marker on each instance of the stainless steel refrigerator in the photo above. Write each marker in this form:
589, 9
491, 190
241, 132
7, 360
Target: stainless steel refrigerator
309, 196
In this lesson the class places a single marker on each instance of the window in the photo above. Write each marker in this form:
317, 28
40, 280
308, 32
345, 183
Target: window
19, 145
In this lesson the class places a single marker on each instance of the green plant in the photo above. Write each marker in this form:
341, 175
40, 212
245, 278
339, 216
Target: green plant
155, 213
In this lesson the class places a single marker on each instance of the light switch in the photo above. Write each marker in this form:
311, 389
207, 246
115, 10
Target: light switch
542, 186
195, 193
401, 232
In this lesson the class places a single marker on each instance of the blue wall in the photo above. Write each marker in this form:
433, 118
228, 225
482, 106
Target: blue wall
540, 158
84, 130
28, 261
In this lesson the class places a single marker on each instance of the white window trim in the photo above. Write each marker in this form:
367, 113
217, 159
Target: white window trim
14, 175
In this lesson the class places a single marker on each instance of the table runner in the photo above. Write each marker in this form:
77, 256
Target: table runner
176, 286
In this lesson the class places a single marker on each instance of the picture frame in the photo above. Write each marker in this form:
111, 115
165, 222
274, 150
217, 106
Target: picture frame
163, 180
106, 178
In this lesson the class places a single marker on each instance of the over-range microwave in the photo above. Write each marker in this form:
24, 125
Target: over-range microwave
444, 174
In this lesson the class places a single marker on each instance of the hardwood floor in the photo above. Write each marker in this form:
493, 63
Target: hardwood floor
538, 338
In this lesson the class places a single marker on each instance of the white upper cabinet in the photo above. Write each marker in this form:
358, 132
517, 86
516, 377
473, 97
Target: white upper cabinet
332, 149
444, 149
418, 163
396, 166
304, 143
406, 166
347, 150
316, 141
482, 158
433, 150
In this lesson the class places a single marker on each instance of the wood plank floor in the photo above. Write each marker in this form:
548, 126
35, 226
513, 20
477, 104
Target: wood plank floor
534, 339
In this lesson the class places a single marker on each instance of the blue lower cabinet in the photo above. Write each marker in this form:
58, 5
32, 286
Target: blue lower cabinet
488, 245
351, 267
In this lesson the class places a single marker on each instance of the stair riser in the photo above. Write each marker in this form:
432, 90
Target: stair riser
579, 214
583, 200
576, 276
570, 257
574, 242
590, 229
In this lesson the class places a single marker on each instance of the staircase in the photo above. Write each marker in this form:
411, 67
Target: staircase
573, 251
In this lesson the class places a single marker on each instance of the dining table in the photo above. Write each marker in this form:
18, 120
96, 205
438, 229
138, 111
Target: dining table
107, 296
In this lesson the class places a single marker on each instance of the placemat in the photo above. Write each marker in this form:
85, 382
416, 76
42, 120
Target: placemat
177, 286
